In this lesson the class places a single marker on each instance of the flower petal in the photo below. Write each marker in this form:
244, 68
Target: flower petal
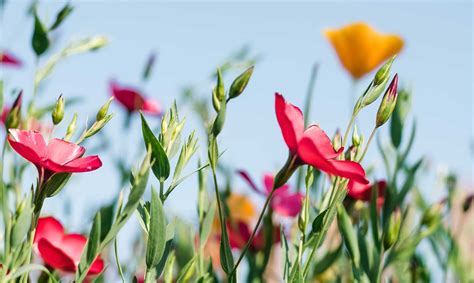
152, 106
55, 257
9, 59
129, 97
290, 119
287, 204
30, 145
246, 176
61, 151
350, 170
322, 142
83, 164
268, 180
97, 266
73, 245
49, 228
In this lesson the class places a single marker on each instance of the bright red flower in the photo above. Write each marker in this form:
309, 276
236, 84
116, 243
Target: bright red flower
9, 59
239, 235
59, 250
133, 100
56, 157
284, 202
311, 145
363, 192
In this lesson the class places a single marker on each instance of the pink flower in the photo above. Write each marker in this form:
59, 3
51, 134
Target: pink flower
59, 250
8, 59
133, 100
239, 235
363, 192
311, 145
284, 202
4, 115
56, 157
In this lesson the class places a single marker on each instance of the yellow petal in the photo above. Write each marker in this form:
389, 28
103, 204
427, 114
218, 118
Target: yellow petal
361, 49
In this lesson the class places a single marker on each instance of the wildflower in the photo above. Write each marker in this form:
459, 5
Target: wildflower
133, 100
59, 250
284, 202
361, 49
56, 157
363, 192
8, 59
310, 146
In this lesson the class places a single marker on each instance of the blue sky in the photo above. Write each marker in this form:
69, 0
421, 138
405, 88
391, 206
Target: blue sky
193, 38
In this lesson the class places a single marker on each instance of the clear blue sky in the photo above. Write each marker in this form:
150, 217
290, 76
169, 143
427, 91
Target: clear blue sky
193, 38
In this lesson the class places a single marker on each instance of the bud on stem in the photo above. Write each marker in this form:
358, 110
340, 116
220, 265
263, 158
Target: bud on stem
240, 83
388, 103
58, 112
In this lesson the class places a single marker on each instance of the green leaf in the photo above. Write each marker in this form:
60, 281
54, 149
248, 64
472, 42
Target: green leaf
327, 260
56, 183
161, 165
40, 40
168, 271
157, 232
61, 16
22, 223
318, 222
27, 269
187, 272
94, 239
207, 224
348, 234
220, 119
227, 261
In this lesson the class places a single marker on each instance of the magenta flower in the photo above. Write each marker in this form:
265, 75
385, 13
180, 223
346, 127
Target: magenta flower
284, 202
133, 100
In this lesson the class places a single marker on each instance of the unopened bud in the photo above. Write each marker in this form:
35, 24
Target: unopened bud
431, 215
215, 100
58, 111
14, 115
393, 230
220, 90
383, 73
355, 137
71, 128
240, 83
388, 103
337, 140
103, 110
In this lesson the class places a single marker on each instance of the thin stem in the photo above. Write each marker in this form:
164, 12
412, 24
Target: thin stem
368, 143
348, 129
254, 232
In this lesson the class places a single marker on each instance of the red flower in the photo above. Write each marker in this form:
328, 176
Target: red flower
9, 59
3, 117
363, 192
283, 202
58, 156
133, 100
59, 250
312, 146
239, 235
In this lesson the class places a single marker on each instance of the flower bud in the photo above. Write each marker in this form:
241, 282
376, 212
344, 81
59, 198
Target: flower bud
103, 110
337, 140
240, 83
14, 115
355, 137
384, 72
215, 100
393, 230
71, 129
58, 112
431, 215
388, 103
220, 90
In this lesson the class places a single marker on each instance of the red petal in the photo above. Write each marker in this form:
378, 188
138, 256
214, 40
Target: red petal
268, 180
61, 151
129, 97
9, 59
30, 145
287, 204
55, 257
97, 266
246, 176
49, 228
350, 170
84, 164
290, 119
73, 245
152, 106
322, 142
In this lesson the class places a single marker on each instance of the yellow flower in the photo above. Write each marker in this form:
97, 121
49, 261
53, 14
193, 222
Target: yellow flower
361, 48
241, 209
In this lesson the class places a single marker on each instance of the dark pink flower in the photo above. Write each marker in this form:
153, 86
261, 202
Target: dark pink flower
59, 250
133, 100
8, 59
239, 235
284, 202
363, 192
311, 145
55, 157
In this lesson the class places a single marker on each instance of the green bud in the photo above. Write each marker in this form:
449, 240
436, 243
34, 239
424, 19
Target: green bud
355, 137
384, 72
215, 100
240, 83
220, 90
431, 215
71, 128
388, 103
103, 110
58, 112
391, 236
14, 115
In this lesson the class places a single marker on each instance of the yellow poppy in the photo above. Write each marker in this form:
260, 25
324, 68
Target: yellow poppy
361, 48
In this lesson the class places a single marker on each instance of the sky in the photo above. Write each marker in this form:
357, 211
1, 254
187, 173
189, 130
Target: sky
193, 38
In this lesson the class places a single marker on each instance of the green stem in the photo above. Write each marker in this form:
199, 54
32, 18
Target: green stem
348, 129
368, 143
254, 232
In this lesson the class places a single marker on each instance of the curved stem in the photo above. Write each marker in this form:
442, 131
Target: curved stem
254, 232
368, 143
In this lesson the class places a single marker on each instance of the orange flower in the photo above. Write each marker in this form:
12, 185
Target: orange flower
361, 48
241, 210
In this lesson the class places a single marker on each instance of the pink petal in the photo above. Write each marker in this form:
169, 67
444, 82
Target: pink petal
49, 228
322, 142
152, 106
246, 176
30, 145
83, 164
97, 266
290, 119
73, 245
9, 59
287, 204
61, 151
55, 257
268, 180
350, 170
129, 97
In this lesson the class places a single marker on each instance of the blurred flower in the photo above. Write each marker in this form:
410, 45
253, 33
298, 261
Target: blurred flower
363, 192
361, 49
133, 100
239, 235
59, 250
241, 208
3, 117
283, 202
311, 146
56, 157
8, 59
